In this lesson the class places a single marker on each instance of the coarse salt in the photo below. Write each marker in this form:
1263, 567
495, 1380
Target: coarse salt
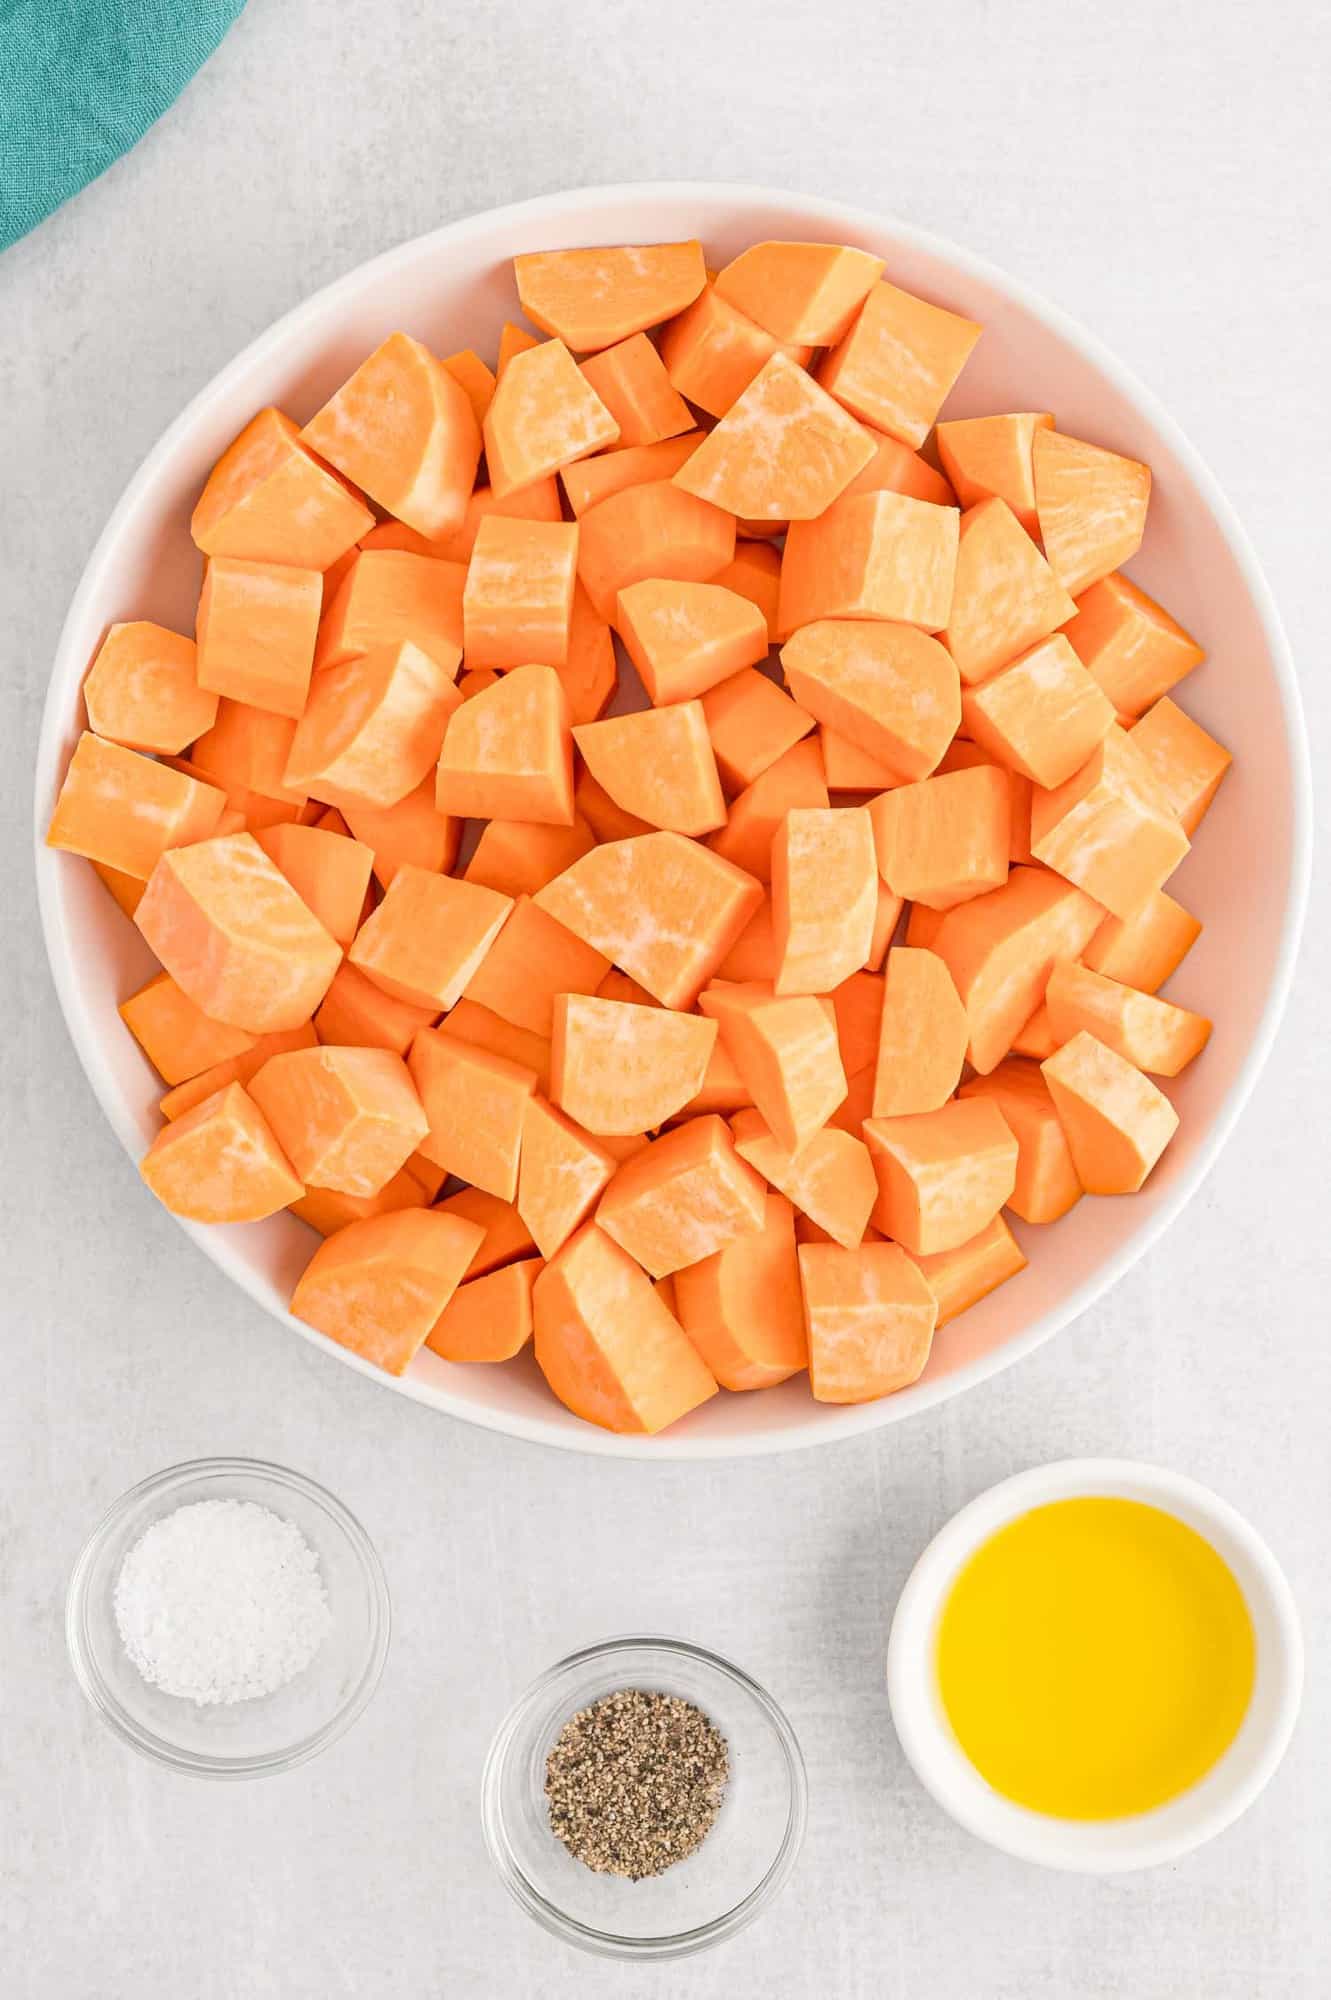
221, 1601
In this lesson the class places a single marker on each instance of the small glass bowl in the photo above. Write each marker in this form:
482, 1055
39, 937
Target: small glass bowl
741, 1865
246, 1739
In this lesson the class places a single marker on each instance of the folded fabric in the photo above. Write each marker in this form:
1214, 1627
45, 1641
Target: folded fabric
80, 83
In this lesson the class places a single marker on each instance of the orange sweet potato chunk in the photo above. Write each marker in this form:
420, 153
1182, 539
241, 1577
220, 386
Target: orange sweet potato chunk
851, 768
544, 415
531, 960
1187, 764
712, 351
388, 595
784, 451
142, 690
682, 1198
256, 629
653, 530
125, 811
519, 595
857, 1004
751, 722
513, 340
1046, 1186
897, 362
895, 468
413, 833
741, 1306
1117, 1121
379, 1286
1109, 827
1153, 1034
591, 480
824, 897
608, 821
1132, 646
960, 1278
235, 1069
829, 1179
328, 1212
178, 1039
268, 499
755, 573
942, 1175
793, 780
518, 857
560, 1174
665, 909
428, 936
620, 1069
871, 555
358, 1014
1145, 950
506, 1236
490, 1318
508, 752
475, 1103
328, 871
233, 932
402, 428
593, 298
537, 502
1042, 715
1005, 597
686, 637
944, 840
753, 955
787, 1053
608, 1346
923, 1033
631, 381
470, 1022
347, 1119
801, 292
1037, 1038
870, 1316
1091, 505
474, 377
590, 673
373, 728
658, 763
990, 458
246, 750
220, 1162
892, 692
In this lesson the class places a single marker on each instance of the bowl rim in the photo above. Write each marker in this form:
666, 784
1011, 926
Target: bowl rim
821, 1426
102, 1697
668, 1945
1143, 1840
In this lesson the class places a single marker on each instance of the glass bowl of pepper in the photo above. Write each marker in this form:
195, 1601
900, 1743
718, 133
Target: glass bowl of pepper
644, 1799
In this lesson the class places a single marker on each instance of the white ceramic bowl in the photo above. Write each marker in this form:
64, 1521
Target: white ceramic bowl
1247, 879
1101, 1847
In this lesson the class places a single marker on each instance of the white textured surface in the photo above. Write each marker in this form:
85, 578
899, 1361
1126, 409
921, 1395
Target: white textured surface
1162, 175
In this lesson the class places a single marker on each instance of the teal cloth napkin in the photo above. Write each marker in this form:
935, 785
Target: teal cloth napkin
80, 83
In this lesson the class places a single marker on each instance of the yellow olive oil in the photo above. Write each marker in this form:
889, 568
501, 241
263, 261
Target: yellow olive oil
1095, 1658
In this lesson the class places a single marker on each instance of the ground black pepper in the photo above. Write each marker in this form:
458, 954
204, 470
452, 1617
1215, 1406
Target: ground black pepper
635, 1781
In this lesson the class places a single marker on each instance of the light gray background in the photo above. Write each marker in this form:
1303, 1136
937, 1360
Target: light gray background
1160, 171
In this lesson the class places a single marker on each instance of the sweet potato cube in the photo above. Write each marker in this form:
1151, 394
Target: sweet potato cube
402, 428
513, 340
1091, 505
1041, 715
544, 415
358, 1014
428, 936
793, 780
829, 1179
1005, 598
849, 767
591, 480
682, 1198
506, 1238
328, 1211
508, 752
960, 1278
561, 1172
755, 574
784, 451
1153, 1034
268, 499
1186, 763
1117, 1121
178, 1039
518, 857
751, 722
1109, 827
753, 956
801, 292
656, 530
472, 1023
125, 811
490, 1318
871, 555
944, 840
897, 362
531, 960
329, 872
593, 298
589, 675
538, 502
631, 380
347, 1119
607, 820
870, 1317
474, 377
1132, 646
1037, 1038
785, 1049
895, 468
233, 932
256, 630
609, 1348
741, 1306
519, 593
922, 1038
686, 637
142, 690
475, 1103
246, 750
942, 1175
373, 728
857, 1004
411, 834
379, 1286
824, 897
712, 351
234, 1069
658, 762
616, 1068
388, 596
1143, 951
1046, 1186
664, 908
990, 458
220, 1162
891, 691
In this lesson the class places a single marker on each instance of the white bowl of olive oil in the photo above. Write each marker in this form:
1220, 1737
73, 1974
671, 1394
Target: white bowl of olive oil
1096, 1665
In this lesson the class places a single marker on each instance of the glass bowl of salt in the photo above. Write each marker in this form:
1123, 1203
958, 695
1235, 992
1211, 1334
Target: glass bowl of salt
228, 1618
